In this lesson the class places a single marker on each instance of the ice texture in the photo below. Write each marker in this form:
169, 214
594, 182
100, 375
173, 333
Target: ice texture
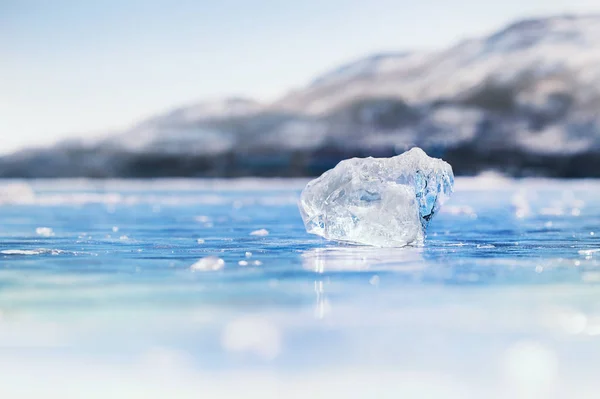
384, 202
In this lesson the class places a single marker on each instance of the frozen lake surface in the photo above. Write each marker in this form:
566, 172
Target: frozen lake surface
97, 298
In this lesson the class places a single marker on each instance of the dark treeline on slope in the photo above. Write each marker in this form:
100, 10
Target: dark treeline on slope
465, 161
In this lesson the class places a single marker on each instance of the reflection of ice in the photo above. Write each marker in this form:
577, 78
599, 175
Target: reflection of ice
323, 306
349, 258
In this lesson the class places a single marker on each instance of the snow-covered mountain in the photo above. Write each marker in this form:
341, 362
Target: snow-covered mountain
525, 100
534, 50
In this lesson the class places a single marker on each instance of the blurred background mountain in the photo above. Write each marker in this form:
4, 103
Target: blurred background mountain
523, 101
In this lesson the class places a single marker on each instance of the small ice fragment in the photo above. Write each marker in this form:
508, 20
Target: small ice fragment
485, 246
248, 254
115, 229
588, 252
123, 238
257, 263
261, 232
44, 231
19, 252
208, 264
243, 263
202, 219
384, 202
41, 251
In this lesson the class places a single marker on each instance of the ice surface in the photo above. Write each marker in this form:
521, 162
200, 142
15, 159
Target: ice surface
524, 305
385, 202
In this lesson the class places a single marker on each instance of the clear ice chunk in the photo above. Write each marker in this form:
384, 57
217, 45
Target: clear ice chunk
384, 202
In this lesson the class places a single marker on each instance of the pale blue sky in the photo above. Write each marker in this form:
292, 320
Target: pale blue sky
73, 68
